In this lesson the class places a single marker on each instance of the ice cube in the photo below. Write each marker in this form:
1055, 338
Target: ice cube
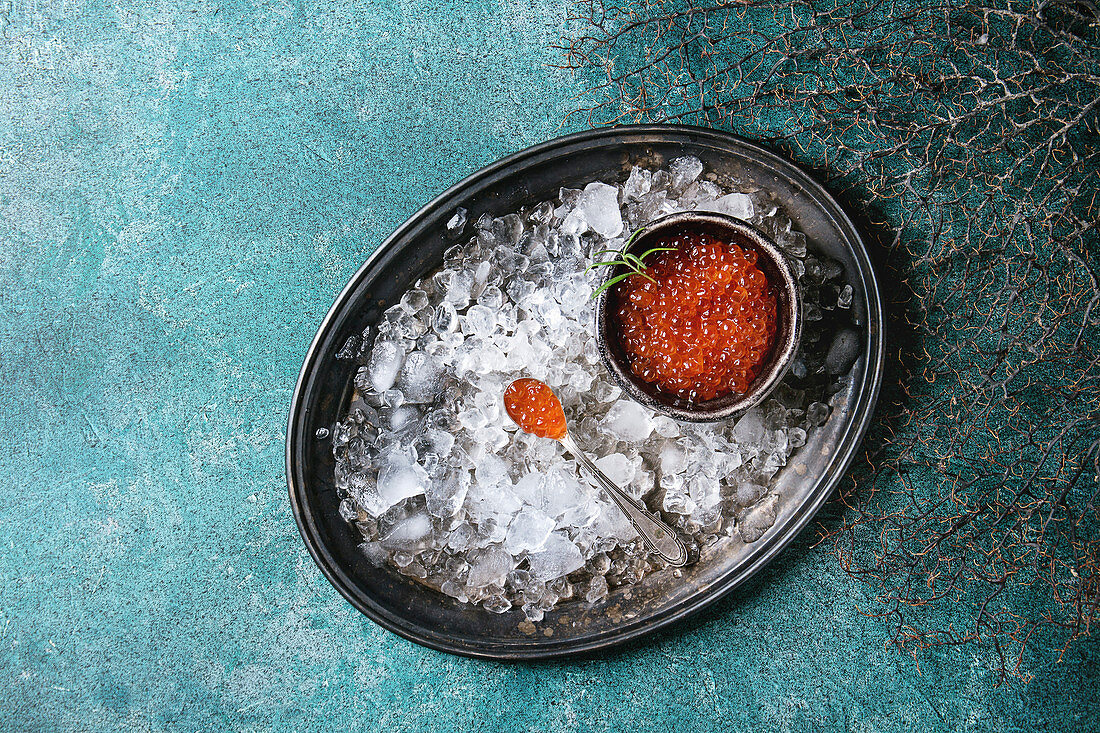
617, 467
748, 493
844, 299
684, 171
412, 532
644, 481
386, 358
420, 378
541, 214
651, 206
753, 522
558, 557
489, 568
529, 489
606, 392
569, 246
675, 499
597, 589
496, 604
471, 419
831, 269
529, 530
492, 298
414, 569
562, 492
610, 522
704, 491
637, 183
415, 300
445, 495
797, 437
591, 352
574, 222
628, 421
666, 427
775, 441
399, 478
508, 229
404, 418
817, 413
699, 193
749, 430
445, 319
599, 207
458, 294
492, 508
574, 294
439, 442
738, 205
673, 458
457, 221
352, 348
374, 551
461, 537
794, 244
479, 321
677, 502
578, 514
599, 564
401, 321
349, 512
481, 278
581, 381
491, 470
661, 180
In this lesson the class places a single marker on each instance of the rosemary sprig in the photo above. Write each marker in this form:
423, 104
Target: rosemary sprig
634, 263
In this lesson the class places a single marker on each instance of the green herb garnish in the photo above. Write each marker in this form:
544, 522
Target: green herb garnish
634, 263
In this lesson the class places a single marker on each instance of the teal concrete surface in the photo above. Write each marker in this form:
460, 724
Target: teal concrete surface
184, 188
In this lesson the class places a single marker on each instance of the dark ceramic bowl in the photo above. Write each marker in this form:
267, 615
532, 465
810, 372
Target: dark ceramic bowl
326, 386
775, 267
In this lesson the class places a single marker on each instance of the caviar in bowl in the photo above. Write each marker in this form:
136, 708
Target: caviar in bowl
710, 328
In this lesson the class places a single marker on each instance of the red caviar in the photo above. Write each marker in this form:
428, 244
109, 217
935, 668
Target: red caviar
704, 324
535, 408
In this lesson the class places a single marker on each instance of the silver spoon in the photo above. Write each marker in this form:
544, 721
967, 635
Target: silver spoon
537, 410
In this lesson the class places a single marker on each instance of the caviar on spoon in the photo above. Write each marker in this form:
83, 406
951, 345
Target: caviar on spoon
536, 409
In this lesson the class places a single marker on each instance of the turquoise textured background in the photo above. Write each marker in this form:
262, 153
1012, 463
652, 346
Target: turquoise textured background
183, 190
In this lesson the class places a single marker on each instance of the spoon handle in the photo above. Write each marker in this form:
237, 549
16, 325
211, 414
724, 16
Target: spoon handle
658, 536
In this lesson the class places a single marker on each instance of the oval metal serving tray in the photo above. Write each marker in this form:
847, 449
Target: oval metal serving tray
416, 248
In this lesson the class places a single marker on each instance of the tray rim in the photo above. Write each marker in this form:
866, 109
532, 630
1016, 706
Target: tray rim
847, 446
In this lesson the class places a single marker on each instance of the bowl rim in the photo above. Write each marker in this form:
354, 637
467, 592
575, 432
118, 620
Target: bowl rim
788, 335
300, 413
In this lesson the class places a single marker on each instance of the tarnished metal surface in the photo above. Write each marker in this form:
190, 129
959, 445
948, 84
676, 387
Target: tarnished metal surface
324, 389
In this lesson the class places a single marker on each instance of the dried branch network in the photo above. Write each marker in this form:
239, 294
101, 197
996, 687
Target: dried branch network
968, 137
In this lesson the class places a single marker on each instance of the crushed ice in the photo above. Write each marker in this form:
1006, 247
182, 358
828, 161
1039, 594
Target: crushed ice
442, 485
